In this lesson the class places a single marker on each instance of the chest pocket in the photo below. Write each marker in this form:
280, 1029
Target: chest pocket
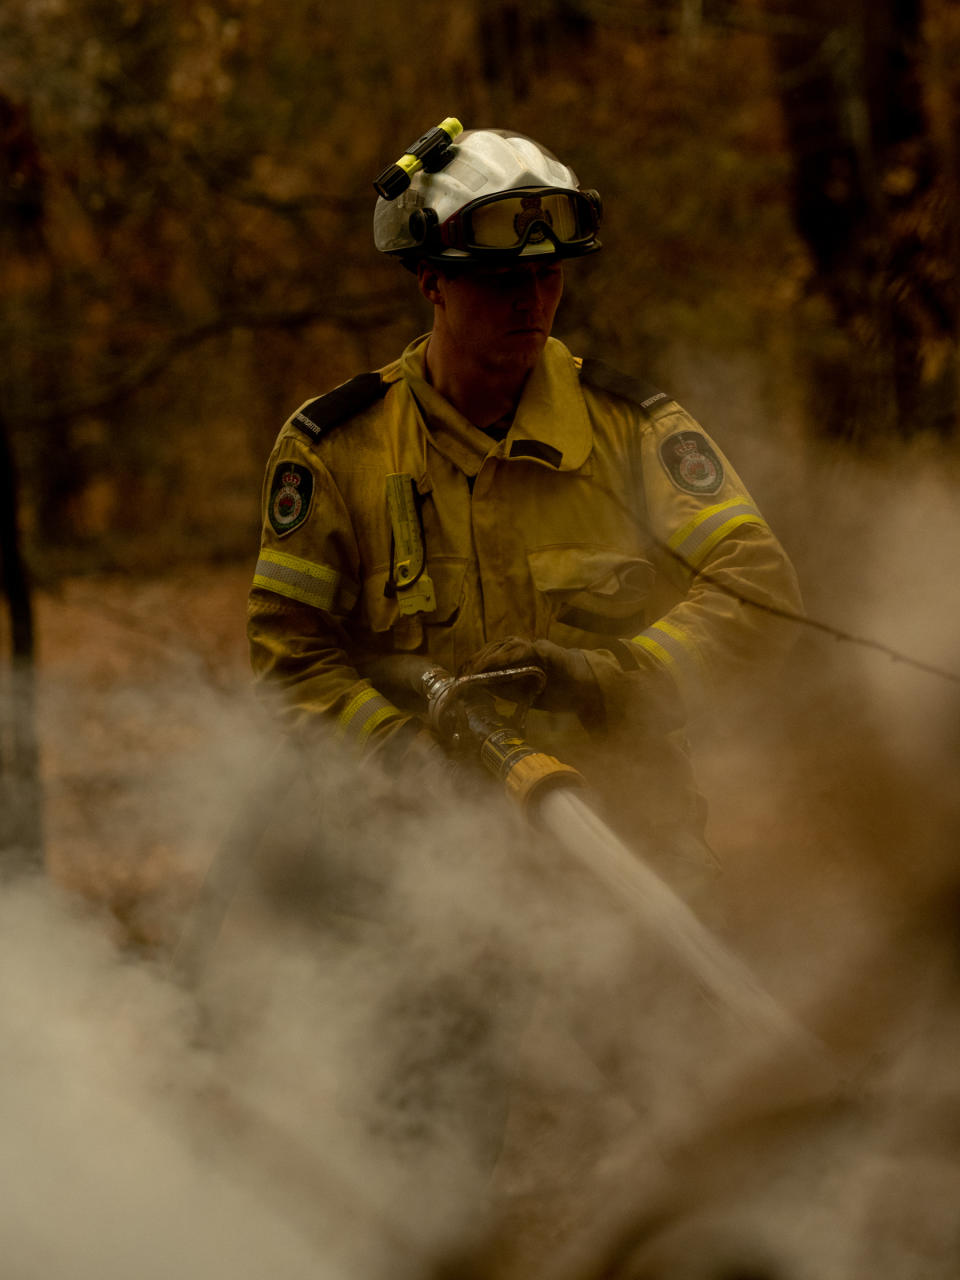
586, 595
391, 630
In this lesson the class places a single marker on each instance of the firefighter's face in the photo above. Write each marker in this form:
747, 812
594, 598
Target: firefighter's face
500, 316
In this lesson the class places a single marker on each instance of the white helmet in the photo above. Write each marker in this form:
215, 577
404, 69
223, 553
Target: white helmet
499, 196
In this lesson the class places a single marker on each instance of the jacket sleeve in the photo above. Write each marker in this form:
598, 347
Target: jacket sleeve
305, 588
731, 579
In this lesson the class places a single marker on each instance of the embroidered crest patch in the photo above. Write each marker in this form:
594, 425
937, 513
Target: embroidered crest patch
691, 463
290, 492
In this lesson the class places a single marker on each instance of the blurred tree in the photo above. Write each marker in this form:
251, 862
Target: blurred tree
875, 200
21, 800
519, 44
21, 803
199, 166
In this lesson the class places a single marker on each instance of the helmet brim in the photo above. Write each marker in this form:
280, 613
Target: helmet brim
469, 262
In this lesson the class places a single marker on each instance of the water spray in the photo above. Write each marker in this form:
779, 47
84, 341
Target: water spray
463, 712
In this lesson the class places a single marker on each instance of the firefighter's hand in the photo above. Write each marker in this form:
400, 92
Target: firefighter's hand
571, 681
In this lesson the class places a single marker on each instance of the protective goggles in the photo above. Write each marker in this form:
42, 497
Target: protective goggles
508, 222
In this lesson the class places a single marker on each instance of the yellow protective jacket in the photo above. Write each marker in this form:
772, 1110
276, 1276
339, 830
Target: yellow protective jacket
606, 520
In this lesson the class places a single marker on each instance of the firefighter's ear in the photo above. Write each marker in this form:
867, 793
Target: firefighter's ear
429, 280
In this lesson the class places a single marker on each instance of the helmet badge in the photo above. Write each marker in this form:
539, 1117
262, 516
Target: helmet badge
532, 211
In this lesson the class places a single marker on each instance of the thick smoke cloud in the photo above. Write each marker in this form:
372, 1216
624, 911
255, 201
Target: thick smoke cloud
405, 994
102, 1174
837, 816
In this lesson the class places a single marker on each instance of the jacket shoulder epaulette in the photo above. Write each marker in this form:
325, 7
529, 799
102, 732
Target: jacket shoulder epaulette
319, 416
596, 373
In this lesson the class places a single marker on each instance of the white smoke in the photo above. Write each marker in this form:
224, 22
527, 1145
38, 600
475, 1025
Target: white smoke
101, 1175
323, 1101
836, 812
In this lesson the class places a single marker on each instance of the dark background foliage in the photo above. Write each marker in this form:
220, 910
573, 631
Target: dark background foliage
187, 203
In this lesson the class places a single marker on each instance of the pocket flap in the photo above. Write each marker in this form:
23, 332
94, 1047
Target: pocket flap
591, 592
602, 571
448, 575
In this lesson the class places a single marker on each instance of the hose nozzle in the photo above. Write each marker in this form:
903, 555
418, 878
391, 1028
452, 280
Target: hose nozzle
462, 712
527, 774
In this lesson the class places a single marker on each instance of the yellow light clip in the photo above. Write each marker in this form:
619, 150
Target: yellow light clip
415, 591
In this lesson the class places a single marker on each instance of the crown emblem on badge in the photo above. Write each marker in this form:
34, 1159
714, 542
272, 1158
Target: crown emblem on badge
531, 211
692, 463
291, 492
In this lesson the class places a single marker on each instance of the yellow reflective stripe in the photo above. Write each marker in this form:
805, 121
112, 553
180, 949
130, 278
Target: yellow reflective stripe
675, 633
671, 647
303, 580
719, 534
694, 522
364, 713
658, 651
696, 539
367, 694
667, 640
386, 712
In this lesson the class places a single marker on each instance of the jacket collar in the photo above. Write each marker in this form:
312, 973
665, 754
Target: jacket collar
551, 426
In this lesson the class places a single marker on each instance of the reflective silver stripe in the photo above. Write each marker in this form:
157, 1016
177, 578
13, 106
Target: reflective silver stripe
313, 584
697, 538
672, 649
363, 713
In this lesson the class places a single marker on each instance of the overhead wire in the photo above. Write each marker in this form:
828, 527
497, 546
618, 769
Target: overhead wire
814, 624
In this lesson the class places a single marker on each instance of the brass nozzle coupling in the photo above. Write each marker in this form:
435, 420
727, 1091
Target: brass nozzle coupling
532, 777
526, 774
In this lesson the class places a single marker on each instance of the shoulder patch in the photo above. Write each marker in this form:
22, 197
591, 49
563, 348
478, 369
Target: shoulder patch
596, 373
691, 462
343, 402
291, 490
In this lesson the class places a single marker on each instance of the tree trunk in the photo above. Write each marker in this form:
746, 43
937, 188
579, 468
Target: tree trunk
21, 805
873, 200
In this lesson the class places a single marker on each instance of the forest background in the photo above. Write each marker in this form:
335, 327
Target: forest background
187, 256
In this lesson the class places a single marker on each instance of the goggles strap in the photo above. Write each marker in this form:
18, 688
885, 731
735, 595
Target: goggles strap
542, 225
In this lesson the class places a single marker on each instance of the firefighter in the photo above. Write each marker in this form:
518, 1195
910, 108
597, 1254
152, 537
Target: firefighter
489, 497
